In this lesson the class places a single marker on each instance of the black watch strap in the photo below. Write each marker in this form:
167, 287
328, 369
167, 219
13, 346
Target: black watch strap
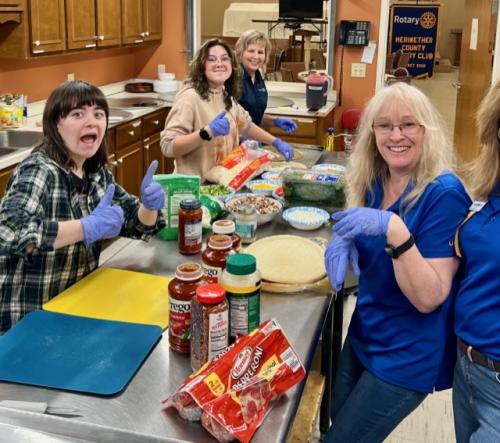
396, 252
204, 134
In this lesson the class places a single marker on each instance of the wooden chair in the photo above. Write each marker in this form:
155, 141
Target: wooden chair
294, 68
286, 75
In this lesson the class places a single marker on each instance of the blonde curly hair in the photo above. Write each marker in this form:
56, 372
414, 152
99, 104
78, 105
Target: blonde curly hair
366, 165
482, 174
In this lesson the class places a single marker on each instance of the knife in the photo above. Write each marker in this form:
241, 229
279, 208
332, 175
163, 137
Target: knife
40, 407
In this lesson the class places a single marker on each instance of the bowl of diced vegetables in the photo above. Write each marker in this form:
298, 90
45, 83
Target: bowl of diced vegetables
220, 191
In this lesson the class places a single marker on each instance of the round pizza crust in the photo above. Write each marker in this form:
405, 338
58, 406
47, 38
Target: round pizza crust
288, 259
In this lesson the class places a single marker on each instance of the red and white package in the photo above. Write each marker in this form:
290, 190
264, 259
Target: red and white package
232, 392
239, 166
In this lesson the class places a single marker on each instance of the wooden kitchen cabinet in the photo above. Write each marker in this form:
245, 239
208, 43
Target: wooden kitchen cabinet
141, 21
92, 23
310, 130
80, 19
30, 28
48, 25
152, 125
129, 156
5, 174
109, 30
31, 31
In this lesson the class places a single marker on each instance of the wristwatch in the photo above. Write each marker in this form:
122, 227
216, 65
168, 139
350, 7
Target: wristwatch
204, 134
395, 252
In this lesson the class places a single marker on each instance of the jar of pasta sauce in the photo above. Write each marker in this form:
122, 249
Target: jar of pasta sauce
227, 227
181, 290
210, 324
215, 255
190, 214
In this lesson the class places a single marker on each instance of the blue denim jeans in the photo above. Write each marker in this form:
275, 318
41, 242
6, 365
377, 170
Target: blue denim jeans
476, 402
364, 408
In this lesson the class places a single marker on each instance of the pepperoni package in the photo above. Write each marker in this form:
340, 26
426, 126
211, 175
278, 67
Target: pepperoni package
231, 394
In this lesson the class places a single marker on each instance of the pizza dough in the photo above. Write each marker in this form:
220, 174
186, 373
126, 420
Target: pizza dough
288, 259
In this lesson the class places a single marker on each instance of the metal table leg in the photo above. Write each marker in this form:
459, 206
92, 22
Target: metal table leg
331, 344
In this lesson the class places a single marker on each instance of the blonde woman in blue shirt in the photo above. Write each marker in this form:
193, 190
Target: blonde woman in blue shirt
404, 207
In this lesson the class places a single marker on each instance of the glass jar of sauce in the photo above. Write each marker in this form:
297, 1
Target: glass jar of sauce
181, 289
227, 227
210, 324
215, 255
190, 214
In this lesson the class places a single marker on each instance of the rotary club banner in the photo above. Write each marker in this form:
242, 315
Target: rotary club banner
414, 30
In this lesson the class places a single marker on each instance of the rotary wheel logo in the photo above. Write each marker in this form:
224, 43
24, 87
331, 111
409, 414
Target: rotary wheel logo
428, 20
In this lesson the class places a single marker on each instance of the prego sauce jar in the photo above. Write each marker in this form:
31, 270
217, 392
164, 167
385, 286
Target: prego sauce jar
215, 255
210, 324
227, 227
190, 214
181, 290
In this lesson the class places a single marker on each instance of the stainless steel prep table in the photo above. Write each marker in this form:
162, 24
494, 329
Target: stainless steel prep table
135, 415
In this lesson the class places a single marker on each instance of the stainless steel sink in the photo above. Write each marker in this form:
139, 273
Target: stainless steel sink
118, 115
135, 102
18, 139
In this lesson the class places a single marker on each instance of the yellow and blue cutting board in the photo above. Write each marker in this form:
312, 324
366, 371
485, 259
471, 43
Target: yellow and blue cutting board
116, 294
74, 353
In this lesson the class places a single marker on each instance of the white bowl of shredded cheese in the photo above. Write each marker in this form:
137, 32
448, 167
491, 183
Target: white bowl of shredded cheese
305, 218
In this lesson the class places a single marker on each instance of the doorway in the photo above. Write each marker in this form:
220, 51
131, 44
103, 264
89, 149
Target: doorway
478, 68
228, 18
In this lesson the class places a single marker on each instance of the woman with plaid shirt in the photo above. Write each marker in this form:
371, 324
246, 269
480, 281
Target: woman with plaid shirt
62, 201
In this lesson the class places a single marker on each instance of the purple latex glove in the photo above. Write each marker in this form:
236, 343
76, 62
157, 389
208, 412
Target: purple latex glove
287, 124
338, 254
105, 221
283, 148
219, 125
152, 195
361, 221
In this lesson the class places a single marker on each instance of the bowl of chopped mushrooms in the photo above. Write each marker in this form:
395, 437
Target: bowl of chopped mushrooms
266, 207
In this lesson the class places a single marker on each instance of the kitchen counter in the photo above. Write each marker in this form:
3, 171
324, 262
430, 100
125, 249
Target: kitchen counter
293, 91
135, 414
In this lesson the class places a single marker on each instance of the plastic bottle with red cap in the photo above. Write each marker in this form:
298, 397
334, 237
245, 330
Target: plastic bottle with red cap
209, 324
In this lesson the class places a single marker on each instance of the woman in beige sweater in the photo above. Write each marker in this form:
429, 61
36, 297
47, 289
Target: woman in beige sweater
206, 121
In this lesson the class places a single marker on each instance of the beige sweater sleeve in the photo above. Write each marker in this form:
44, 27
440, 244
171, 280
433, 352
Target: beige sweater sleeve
180, 121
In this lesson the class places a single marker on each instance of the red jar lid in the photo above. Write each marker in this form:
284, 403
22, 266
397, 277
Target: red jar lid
210, 294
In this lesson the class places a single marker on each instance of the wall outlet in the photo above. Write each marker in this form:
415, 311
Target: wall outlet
71, 77
161, 69
358, 70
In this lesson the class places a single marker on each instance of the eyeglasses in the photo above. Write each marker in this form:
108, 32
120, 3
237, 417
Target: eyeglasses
407, 128
222, 59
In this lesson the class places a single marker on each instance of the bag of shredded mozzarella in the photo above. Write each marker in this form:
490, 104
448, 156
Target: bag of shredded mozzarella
177, 187
239, 166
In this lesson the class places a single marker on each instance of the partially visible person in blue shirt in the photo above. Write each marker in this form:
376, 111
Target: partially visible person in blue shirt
253, 49
476, 384
405, 204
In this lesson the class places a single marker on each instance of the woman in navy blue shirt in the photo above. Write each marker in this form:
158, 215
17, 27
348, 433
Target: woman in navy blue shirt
404, 207
252, 49
476, 385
